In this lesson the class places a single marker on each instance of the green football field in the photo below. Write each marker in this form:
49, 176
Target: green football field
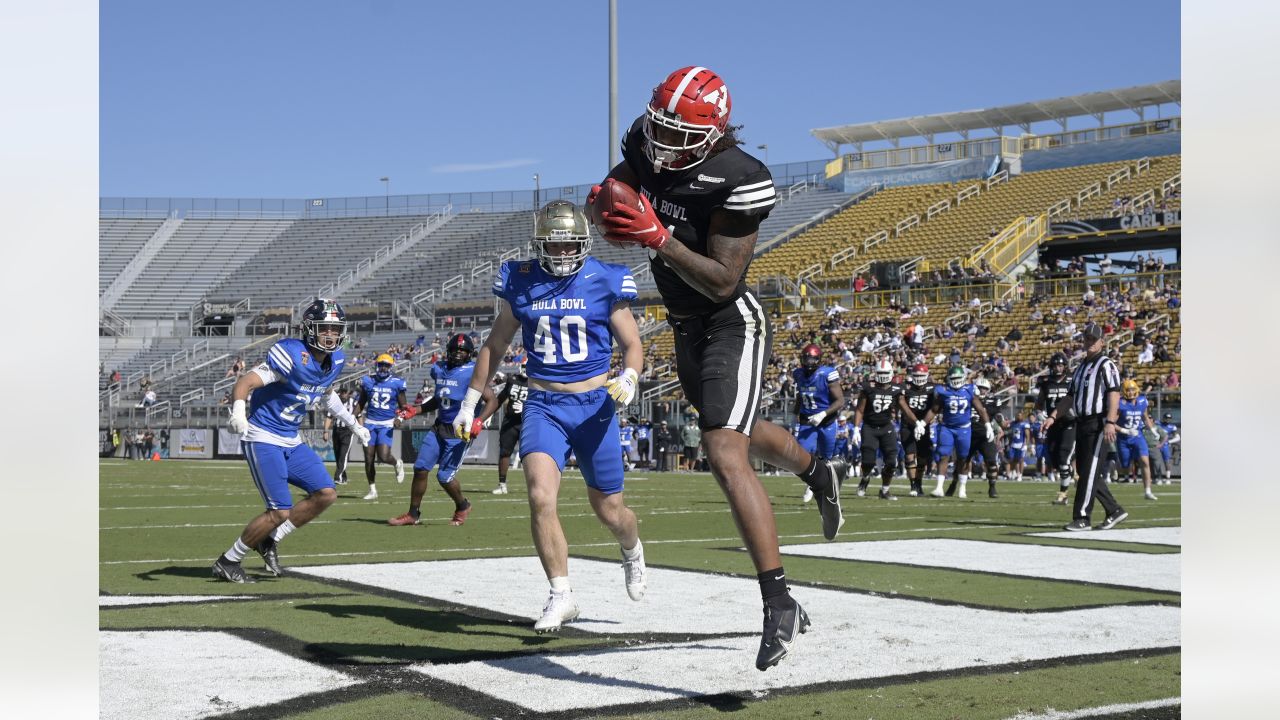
921, 608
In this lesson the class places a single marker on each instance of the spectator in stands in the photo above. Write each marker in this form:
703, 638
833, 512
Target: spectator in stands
237, 367
1147, 354
226, 399
115, 377
1172, 381
148, 398
859, 283
144, 383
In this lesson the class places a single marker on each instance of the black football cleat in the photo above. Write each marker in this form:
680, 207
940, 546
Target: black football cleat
784, 619
224, 569
267, 549
827, 490
991, 490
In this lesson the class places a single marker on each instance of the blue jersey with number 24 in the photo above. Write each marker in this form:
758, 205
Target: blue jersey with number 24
301, 383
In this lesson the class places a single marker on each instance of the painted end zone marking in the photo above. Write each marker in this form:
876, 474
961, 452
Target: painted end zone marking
1105, 567
1051, 714
123, 600
139, 675
1148, 536
854, 636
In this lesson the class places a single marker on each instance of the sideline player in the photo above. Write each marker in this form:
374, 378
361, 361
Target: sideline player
1166, 448
341, 434
1131, 444
917, 447
1015, 449
1060, 439
873, 426
380, 404
819, 399
514, 393
702, 199
294, 379
954, 401
443, 446
569, 307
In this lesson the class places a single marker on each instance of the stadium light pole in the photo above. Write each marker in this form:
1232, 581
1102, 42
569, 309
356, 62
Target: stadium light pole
537, 191
765, 148
613, 84
386, 186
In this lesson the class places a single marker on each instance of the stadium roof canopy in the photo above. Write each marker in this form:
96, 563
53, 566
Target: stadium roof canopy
1094, 104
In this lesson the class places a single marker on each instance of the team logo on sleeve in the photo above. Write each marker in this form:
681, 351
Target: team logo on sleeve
306, 357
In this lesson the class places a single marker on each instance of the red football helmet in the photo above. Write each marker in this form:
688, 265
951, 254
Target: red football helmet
689, 112
920, 374
810, 357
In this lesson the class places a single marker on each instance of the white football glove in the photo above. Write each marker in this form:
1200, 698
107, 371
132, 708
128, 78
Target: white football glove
466, 414
855, 436
239, 422
991, 433
362, 435
816, 419
623, 387
921, 429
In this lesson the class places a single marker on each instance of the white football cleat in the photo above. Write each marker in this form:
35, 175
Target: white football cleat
633, 573
399, 470
372, 495
501, 489
808, 495
560, 609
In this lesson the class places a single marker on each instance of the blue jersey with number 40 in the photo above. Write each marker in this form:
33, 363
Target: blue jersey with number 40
300, 385
564, 321
957, 404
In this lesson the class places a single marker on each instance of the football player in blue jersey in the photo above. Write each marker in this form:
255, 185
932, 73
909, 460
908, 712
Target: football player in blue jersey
699, 204
954, 402
626, 434
569, 307
294, 379
1131, 444
380, 405
1172, 437
819, 399
1020, 438
444, 446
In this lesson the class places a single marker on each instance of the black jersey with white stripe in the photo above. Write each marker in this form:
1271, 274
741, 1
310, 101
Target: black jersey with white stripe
730, 180
882, 401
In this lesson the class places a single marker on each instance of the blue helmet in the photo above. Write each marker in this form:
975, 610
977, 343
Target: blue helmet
324, 314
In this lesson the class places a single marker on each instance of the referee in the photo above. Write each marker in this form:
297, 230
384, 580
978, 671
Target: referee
341, 436
1093, 400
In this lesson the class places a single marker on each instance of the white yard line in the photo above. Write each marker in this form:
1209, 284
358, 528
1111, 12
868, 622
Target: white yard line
1052, 714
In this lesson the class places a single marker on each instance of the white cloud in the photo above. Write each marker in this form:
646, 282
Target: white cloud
481, 167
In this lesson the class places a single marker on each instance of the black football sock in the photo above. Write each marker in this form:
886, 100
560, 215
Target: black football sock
773, 583
809, 475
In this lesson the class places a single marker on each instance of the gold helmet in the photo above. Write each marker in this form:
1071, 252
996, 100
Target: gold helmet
560, 221
1129, 388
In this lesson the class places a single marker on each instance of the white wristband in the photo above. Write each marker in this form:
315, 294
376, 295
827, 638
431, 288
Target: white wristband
471, 399
237, 408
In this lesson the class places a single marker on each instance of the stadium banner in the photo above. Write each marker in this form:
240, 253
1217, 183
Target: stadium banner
1170, 218
193, 443
228, 442
855, 181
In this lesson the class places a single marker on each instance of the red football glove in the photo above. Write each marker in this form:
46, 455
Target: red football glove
642, 227
476, 426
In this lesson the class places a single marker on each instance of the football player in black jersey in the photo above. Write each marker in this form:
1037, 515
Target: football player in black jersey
873, 425
1060, 440
917, 450
702, 199
514, 392
988, 450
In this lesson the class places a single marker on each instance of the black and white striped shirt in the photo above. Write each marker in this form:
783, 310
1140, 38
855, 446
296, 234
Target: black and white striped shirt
1094, 378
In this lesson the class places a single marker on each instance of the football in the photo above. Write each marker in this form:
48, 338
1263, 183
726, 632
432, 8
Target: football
613, 194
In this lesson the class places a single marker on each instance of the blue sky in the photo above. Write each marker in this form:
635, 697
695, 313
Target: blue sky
322, 98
